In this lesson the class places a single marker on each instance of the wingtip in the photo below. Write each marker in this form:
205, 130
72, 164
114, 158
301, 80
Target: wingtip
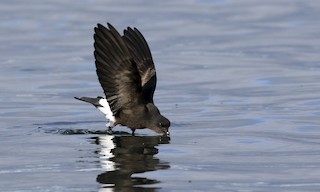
129, 28
111, 27
100, 27
96, 30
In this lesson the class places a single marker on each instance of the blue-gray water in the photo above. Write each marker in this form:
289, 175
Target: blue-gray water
240, 81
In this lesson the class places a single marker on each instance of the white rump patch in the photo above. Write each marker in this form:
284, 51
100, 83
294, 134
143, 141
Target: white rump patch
105, 109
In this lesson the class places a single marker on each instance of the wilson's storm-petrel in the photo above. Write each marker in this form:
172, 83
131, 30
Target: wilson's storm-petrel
127, 75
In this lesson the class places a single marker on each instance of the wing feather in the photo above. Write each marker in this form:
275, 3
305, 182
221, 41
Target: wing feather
117, 71
141, 55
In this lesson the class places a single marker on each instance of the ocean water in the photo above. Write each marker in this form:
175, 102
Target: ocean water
239, 80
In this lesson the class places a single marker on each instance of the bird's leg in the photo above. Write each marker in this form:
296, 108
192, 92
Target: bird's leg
133, 130
109, 126
109, 131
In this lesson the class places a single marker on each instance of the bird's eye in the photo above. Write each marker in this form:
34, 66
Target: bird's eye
160, 124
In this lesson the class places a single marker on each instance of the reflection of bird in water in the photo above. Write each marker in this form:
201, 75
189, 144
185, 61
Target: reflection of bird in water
122, 156
106, 153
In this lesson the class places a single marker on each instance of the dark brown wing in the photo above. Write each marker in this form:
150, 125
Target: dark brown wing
142, 57
116, 70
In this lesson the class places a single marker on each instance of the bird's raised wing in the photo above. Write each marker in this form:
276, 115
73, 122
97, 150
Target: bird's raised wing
141, 55
116, 70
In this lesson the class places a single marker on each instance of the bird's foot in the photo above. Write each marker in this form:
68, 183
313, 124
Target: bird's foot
109, 131
133, 130
109, 128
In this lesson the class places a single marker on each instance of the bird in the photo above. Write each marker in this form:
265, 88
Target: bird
127, 75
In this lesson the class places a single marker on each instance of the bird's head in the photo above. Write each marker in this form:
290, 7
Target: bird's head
162, 125
158, 123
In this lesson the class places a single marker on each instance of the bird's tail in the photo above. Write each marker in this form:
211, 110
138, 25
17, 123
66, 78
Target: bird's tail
93, 101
